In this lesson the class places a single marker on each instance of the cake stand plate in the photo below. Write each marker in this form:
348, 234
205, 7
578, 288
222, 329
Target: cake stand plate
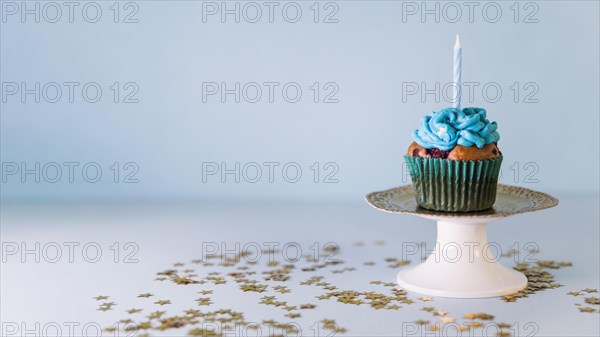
463, 264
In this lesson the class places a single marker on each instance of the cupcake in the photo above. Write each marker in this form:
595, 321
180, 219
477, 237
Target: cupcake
454, 161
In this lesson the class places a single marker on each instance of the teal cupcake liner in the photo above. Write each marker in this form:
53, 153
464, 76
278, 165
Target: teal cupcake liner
454, 185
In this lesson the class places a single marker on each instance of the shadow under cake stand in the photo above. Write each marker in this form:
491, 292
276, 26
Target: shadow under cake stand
462, 264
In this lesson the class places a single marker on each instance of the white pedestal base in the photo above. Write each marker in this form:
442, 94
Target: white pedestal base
462, 265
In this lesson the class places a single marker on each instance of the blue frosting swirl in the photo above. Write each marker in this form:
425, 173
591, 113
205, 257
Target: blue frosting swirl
448, 127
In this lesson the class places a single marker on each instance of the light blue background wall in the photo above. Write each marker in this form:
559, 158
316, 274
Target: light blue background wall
369, 53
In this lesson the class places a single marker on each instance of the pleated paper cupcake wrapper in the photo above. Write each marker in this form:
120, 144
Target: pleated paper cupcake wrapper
454, 185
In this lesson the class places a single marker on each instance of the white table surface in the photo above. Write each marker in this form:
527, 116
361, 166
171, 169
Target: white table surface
61, 292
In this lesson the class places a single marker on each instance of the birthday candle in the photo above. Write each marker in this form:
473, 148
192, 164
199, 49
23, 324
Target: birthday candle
457, 92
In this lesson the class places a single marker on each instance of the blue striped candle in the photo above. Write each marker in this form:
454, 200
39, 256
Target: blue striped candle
457, 92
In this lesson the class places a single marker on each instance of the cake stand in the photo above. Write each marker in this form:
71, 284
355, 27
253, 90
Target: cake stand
463, 264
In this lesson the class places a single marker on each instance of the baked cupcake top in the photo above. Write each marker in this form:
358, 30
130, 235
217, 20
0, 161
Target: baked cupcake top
450, 127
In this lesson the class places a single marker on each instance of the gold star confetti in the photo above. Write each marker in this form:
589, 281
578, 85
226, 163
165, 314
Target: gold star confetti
461, 327
329, 324
434, 327
258, 279
538, 278
503, 333
513, 297
156, 315
253, 287
204, 301
193, 312
282, 289
185, 280
398, 264
200, 332
479, 315
139, 326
